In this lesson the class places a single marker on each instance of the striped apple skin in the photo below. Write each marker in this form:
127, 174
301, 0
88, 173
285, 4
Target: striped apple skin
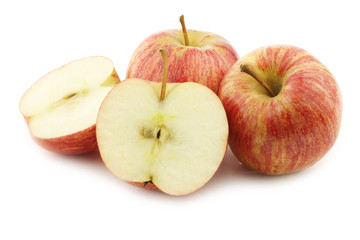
205, 61
77, 143
288, 132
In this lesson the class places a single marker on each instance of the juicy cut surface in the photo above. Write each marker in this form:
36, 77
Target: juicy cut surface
67, 99
177, 143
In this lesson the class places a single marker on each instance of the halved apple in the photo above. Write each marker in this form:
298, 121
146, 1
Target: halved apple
168, 137
61, 108
176, 144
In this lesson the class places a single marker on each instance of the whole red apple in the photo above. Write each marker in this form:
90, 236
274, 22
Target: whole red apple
284, 109
193, 56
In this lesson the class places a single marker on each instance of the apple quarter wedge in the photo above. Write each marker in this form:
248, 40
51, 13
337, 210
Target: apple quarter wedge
174, 145
61, 108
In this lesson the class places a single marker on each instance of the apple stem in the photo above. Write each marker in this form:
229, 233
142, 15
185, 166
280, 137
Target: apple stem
163, 85
186, 37
245, 68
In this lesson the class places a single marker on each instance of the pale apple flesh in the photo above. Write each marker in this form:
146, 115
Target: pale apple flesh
176, 144
61, 108
206, 60
294, 129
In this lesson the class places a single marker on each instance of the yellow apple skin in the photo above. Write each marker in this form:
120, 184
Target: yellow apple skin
206, 60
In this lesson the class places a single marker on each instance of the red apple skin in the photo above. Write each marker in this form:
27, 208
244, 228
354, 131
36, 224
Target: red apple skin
288, 132
149, 186
76, 143
205, 61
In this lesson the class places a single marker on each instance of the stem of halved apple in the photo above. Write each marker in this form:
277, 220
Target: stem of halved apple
163, 84
158, 134
186, 37
245, 68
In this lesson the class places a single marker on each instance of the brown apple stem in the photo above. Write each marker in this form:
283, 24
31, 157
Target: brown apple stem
163, 85
186, 37
245, 68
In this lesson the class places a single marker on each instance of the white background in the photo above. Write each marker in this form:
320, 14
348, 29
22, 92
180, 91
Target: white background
49, 196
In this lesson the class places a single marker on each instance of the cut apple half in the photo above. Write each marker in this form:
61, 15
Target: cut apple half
175, 144
61, 108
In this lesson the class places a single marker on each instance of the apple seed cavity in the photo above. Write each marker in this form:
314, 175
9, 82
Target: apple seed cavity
70, 95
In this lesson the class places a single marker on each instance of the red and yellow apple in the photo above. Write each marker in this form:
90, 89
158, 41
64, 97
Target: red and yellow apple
61, 108
284, 109
194, 56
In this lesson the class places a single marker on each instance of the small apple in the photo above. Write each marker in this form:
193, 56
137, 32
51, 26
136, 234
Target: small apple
168, 137
61, 108
194, 56
284, 109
